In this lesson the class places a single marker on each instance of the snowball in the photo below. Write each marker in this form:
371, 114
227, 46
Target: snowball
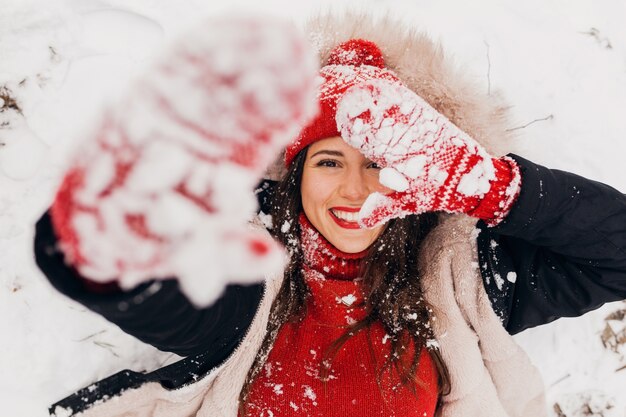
393, 179
476, 182
372, 202
173, 215
232, 256
358, 126
385, 134
437, 175
357, 104
99, 175
414, 167
152, 172
199, 179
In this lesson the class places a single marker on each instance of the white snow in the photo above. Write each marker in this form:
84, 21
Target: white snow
348, 300
413, 167
310, 394
62, 412
551, 60
393, 179
412, 316
278, 389
476, 182
499, 281
511, 277
285, 227
17, 142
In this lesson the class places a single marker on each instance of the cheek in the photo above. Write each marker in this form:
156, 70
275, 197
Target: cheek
314, 190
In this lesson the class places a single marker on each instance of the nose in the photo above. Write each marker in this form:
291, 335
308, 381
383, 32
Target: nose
354, 186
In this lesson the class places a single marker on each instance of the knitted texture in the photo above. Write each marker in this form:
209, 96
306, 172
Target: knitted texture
349, 64
504, 190
429, 163
357, 52
164, 185
297, 381
319, 254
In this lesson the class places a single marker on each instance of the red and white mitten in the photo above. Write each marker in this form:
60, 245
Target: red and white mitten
430, 163
164, 186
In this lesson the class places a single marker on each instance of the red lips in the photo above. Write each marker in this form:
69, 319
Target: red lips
344, 223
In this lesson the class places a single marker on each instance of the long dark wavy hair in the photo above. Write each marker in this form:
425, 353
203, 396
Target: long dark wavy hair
393, 292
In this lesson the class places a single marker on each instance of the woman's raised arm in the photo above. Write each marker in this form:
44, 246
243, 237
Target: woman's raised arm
157, 201
560, 252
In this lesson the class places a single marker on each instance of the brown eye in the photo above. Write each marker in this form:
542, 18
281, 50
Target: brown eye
330, 163
373, 165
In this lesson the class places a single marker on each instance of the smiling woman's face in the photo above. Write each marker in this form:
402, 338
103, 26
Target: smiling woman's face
335, 183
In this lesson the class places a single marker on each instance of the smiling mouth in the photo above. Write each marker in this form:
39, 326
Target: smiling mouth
345, 219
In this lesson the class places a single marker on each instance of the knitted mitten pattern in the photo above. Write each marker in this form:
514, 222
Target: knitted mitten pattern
163, 186
428, 162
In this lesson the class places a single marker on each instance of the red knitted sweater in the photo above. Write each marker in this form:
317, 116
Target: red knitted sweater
290, 383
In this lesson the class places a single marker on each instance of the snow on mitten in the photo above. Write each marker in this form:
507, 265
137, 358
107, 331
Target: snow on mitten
430, 163
164, 186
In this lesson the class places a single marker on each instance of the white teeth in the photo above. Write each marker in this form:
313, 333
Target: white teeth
344, 215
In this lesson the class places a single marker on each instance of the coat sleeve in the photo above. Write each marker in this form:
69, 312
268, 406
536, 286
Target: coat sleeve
560, 252
157, 312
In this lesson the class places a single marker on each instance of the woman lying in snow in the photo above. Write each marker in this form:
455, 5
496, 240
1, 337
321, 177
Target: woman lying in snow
415, 251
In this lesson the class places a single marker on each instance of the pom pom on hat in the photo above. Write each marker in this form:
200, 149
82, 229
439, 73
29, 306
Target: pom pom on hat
357, 52
349, 63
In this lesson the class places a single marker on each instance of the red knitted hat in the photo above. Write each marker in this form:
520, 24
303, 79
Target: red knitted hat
350, 63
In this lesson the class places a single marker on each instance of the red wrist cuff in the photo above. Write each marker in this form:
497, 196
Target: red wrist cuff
505, 189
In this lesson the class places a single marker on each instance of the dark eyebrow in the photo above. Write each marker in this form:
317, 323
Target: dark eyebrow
327, 152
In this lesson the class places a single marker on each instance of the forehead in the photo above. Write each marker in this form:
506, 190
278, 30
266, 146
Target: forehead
335, 143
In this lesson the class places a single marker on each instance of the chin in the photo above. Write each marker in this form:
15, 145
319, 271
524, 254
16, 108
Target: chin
351, 245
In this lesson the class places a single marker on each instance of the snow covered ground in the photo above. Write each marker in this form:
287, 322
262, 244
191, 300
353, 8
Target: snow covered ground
560, 64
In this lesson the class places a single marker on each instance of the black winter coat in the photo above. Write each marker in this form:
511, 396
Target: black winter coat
564, 239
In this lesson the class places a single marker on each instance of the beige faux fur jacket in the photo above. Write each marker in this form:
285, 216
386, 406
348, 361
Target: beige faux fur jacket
490, 375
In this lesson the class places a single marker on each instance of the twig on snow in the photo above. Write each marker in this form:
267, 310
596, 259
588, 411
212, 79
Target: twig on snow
106, 346
603, 41
7, 101
91, 335
488, 69
549, 117
558, 381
